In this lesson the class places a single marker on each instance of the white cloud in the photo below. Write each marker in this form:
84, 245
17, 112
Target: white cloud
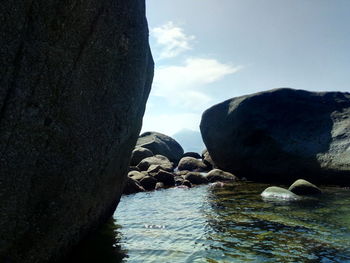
172, 39
169, 124
184, 85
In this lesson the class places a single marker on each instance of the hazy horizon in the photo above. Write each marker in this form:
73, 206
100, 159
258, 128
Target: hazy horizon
209, 52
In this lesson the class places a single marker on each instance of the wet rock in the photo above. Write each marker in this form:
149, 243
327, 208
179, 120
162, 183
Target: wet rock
191, 164
220, 175
196, 178
161, 144
148, 182
159, 160
279, 193
138, 154
303, 187
280, 134
75, 77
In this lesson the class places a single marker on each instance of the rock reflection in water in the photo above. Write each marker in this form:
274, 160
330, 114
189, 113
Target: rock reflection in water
102, 246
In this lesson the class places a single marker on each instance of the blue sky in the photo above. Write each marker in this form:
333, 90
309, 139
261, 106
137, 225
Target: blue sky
207, 51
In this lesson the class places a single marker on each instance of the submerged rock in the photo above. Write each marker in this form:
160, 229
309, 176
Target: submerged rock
161, 144
279, 193
303, 187
75, 77
281, 134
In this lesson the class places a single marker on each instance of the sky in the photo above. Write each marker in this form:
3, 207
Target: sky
207, 51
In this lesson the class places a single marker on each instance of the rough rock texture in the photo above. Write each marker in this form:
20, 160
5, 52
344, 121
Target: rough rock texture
303, 187
191, 164
161, 144
74, 79
138, 154
281, 135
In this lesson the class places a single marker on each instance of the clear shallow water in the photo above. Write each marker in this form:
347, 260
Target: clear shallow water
230, 224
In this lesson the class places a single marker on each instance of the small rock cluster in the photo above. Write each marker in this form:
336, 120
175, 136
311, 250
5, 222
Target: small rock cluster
299, 188
154, 165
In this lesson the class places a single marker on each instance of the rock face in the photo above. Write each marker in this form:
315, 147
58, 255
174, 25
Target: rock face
161, 144
281, 135
75, 77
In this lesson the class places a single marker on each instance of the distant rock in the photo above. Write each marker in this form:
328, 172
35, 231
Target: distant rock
165, 177
220, 175
148, 182
192, 154
278, 193
159, 160
190, 140
280, 135
196, 178
138, 154
191, 164
161, 144
303, 187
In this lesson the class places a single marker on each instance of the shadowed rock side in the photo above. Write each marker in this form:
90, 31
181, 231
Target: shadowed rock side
75, 77
281, 135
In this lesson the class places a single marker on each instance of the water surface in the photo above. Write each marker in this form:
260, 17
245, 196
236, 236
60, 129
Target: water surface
231, 224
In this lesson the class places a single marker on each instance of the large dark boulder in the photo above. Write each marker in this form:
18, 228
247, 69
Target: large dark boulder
75, 77
161, 144
281, 135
